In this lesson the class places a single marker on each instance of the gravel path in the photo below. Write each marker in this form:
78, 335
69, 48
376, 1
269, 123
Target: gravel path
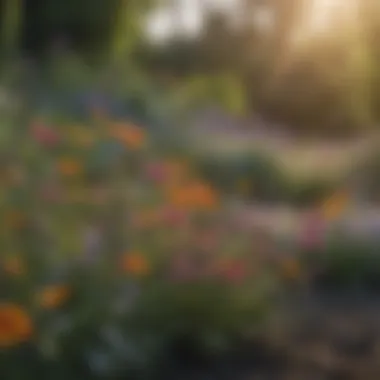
361, 222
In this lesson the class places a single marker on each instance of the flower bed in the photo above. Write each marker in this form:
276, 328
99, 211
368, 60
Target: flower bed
113, 251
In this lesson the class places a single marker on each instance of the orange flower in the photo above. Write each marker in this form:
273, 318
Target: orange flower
179, 196
135, 263
291, 269
335, 206
196, 195
129, 134
53, 297
14, 266
15, 325
69, 167
204, 196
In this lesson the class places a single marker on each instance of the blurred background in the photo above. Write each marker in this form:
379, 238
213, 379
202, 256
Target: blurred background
190, 189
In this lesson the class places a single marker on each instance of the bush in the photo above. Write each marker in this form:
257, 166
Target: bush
255, 177
308, 193
345, 264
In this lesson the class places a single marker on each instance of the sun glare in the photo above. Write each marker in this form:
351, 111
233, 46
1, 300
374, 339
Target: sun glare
320, 23
326, 18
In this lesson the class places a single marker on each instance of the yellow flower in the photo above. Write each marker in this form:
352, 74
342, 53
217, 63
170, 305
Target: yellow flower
132, 136
135, 263
15, 325
53, 297
69, 167
14, 266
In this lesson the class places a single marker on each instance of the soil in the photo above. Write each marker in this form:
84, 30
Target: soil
310, 337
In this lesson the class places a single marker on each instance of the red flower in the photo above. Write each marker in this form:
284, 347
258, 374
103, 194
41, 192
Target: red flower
45, 135
234, 271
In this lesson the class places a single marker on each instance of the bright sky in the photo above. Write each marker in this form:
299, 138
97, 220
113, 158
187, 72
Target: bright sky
189, 17
319, 17
326, 17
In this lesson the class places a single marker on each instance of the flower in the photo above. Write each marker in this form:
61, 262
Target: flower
233, 270
15, 325
204, 196
69, 167
173, 216
53, 297
313, 232
333, 207
135, 263
14, 266
194, 195
44, 135
130, 135
156, 172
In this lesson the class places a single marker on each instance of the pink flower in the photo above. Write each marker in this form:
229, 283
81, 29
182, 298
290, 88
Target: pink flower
173, 216
313, 233
45, 135
156, 172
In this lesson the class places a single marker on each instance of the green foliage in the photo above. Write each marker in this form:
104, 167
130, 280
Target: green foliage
344, 263
306, 193
72, 196
260, 173
226, 90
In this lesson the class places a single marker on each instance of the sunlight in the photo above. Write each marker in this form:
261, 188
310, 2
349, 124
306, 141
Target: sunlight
326, 18
323, 23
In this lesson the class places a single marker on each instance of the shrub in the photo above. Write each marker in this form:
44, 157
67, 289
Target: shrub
306, 193
256, 176
345, 264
